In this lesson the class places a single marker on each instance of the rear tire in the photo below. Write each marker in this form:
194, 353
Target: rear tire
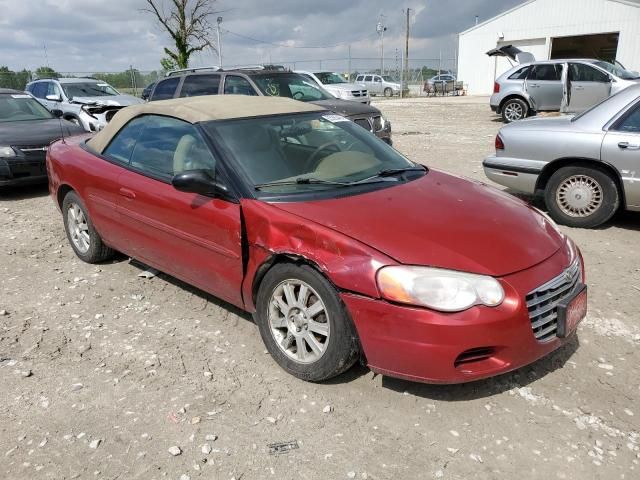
82, 235
304, 324
581, 197
388, 92
514, 109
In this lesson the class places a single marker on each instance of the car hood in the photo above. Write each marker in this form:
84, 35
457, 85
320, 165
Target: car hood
36, 132
441, 221
115, 100
346, 108
345, 86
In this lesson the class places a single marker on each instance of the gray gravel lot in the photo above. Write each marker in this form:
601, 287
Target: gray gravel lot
106, 375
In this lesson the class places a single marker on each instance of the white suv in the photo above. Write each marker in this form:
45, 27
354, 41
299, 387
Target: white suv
337, 86
379, 84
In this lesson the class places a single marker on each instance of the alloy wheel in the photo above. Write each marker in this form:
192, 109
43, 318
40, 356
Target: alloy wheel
579, 196
78, 228
299, 321
514, 112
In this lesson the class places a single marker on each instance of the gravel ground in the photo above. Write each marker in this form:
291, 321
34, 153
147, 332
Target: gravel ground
107, 375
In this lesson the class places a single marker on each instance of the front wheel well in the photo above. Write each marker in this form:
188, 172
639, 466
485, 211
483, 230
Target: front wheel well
553, 167
279, 258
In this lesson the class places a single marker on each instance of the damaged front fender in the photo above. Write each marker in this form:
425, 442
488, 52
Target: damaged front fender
273, 233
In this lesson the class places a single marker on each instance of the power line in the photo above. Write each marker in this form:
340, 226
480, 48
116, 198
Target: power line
282, 45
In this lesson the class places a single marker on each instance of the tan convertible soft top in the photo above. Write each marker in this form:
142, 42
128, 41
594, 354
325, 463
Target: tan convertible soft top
202, 109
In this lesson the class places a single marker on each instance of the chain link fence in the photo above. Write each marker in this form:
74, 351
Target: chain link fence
133, 81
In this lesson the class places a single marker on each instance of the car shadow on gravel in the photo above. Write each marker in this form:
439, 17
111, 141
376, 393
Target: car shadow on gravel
488, 387
25, 192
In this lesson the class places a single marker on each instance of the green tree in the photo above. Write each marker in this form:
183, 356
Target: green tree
46, 72
15, 80
188, 23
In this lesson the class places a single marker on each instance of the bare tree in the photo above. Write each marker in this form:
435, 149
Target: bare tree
188, 23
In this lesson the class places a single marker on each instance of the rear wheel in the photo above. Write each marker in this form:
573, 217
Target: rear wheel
388, 92
84, 239
514, 109
304, 324
581, 197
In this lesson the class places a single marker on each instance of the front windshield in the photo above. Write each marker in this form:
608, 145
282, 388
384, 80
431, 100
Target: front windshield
21, 107
290, 85
328, 78
299, 153
616, 70
88, 89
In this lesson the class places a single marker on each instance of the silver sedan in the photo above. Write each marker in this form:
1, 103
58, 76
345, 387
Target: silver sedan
586, 166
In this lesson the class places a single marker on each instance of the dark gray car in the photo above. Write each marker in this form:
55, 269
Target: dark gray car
268, 82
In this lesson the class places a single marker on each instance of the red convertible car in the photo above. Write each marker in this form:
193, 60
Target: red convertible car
342, 248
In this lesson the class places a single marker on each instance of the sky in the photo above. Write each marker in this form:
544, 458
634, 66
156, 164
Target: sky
110, 35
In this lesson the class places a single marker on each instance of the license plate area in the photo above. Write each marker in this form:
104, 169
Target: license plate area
572, 311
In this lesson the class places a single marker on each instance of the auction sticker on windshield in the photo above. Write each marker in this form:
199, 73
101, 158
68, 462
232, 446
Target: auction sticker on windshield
21, 96
335, 118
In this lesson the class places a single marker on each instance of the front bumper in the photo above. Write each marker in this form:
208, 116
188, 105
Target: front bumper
20, 171
427, 346
515, 173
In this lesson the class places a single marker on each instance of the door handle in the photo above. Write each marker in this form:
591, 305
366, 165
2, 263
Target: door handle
629, 146
534, 85
579, 88
125, 192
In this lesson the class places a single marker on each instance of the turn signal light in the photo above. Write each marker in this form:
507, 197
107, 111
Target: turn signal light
496, 87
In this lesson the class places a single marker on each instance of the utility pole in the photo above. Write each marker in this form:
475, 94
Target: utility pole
219, 22
380, 28
406, 51
349, 70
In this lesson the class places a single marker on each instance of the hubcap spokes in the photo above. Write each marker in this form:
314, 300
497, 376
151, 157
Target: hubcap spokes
78, 228
579, 196
513, 112
299, 321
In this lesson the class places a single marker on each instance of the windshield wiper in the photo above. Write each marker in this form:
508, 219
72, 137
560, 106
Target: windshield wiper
302, 181
392, 172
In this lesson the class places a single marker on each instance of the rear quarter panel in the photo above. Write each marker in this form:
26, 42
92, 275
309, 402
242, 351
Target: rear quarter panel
547, 146
72, 167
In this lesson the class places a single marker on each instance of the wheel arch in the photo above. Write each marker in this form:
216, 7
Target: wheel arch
553, 167
518, 96
62, 192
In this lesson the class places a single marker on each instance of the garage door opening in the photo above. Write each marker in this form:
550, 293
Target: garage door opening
603, 46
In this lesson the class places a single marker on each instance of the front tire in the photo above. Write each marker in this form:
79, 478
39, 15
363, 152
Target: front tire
304, 324
82, 235
388, 92
581, 197
514, 109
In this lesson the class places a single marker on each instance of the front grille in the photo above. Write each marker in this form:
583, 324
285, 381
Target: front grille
359, 93
543, 302
377, 124
364, 123
474, 355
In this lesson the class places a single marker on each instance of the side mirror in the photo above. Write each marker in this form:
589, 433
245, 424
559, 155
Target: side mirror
200, 182
56, 112
54, 98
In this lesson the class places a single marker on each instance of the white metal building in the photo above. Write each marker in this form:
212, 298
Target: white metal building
606, 29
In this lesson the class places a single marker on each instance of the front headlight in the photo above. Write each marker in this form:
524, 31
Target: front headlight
438, 289
338, 93
7, 152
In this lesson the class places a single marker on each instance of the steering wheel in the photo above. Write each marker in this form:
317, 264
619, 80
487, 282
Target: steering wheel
321, 148
298, 96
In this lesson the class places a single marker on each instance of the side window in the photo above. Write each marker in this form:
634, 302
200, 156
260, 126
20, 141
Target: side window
377, 79
520, 74
630, 122
168, 146
546, 72
165, 89
235, 85
197, 85
359, 78
579, 72
40, 89
368, 78
52, 89
121, 146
